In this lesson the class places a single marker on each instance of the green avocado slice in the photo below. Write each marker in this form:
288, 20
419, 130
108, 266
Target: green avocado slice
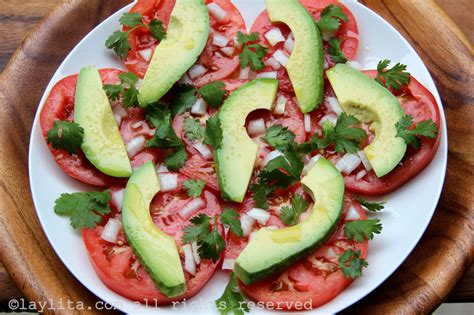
271, 251
156, 250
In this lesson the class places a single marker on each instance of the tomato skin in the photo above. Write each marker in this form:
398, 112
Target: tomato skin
420, 103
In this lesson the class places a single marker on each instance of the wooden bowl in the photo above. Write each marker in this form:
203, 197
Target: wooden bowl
418, 286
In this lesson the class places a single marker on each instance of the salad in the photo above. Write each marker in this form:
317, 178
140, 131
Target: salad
247, 151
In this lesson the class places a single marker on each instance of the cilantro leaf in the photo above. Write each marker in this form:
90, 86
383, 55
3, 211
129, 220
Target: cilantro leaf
156, 29
361, 230
199, 226
252, 53
204, 231
128, 78
113, 91
66, 135
126, 88
176, 159
425, 128
213, 133
335, 51
278, 136
232, 301
193, 129
260, 193
118, 42
394, 78
351, 264
371, 206
131, 19
331, 17
230, 218
194, 187
130, 97
83, 208
213, 93
186, 97
290, 215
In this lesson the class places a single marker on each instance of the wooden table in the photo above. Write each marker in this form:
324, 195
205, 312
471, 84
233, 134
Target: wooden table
18, 17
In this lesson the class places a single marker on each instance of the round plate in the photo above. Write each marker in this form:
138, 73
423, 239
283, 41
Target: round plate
407, 214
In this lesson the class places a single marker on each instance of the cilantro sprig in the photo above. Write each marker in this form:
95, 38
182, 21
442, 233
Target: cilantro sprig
126, 89
213, 93
290, 215
426, 128
85, 209
361, 230
232, 301
194, 187
351, 264
252, 52
193, 129
66, 135
331, 18
395, 77
371, 206
118, 41
335, 52
278, 136
213, 132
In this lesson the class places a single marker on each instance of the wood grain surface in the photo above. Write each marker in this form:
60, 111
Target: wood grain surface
419, 285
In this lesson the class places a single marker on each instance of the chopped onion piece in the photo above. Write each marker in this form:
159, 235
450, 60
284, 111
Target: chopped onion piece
260, 215
196, 71
189, 263
199, 108
334, 105
219, 40
203, 149
272, 227
281, 57
272, 62
117, 198
120, 111
348, 163
247, 223
274, 36
289, 44
162, 169
361, 174
280, 105
137, 124
310, 164
326, 64
228, 264
146, 54
228, 51
330, 253
111, 230
168, 181
216, 11
237, 44
355, 64
252, 235
307, 123
352, 214
268, 75
191, 207
185, 79
244, 73
135, 145
256, 127
331, 117
118, 119
197, 257
364, 160
270, 156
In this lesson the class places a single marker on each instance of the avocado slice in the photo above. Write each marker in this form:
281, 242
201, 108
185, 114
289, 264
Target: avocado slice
186, 38
306, 64
372, 103
236, 157
102, 144
156, 250
271, 251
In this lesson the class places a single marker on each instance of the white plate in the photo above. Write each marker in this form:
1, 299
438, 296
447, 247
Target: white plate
407, 213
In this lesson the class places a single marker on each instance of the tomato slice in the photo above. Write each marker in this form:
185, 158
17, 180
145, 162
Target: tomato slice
218, 64
117, 266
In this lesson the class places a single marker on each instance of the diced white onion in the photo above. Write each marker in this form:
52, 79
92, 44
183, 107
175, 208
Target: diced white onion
289, 45
216, 11
326, 64
331, 117
244, 73
168, 181
310, 164
196, 71
252, 235
111, 230
281, 57
137, 124
272, 62
237, 44
270, 156
117, 198
118, 119
135, 145
274, 36
197, 257
272, 227
228, 51
307, 122
256, 127
185, 79
361, 174
120, 111
138, 84
330, 253
189, 263
355, 64
334, 105
352, 214
219, 40
364, 160
280, 105
348, 163
247, 223
200, 107
162, 169
228, 264
191, 207
146, 54
260, 215
203, 149
268, 75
